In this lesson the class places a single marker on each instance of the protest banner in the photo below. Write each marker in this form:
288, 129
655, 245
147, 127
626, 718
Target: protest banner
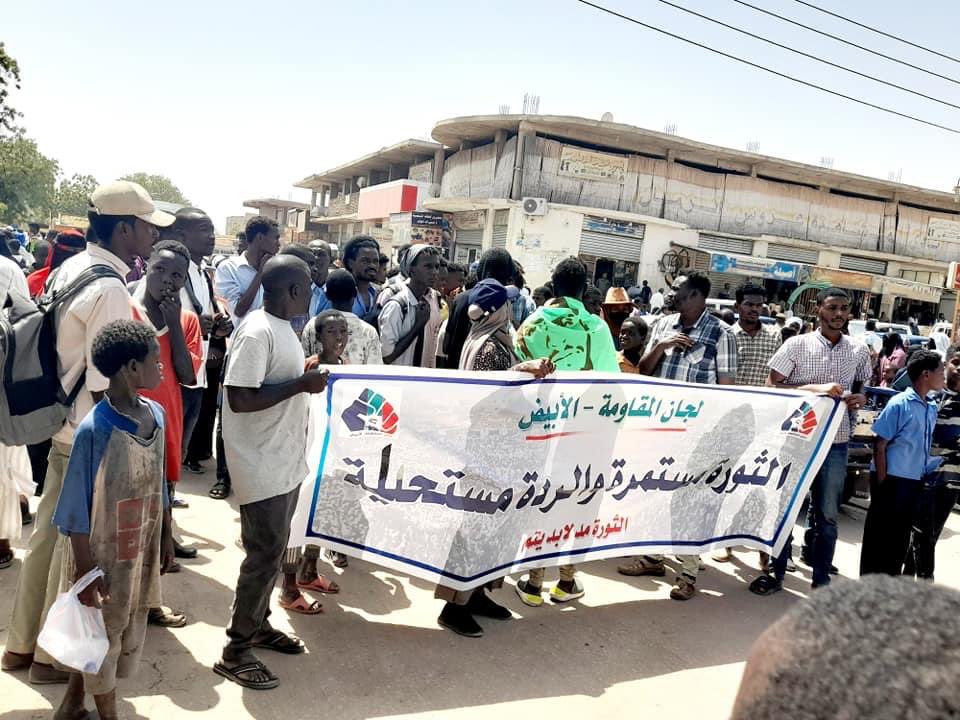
460, 478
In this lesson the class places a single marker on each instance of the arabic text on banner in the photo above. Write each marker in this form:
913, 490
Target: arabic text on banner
461, 478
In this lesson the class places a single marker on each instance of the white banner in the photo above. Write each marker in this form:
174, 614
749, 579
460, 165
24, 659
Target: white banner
460, 478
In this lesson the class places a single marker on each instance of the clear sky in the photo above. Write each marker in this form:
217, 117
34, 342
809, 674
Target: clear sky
240, 100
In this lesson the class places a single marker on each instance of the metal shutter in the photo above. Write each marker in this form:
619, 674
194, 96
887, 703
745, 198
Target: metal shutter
737, 246
499, 236
615, 240
862, 264
792, 254
470, 237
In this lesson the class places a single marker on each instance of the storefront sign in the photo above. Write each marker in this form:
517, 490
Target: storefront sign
755, 267
470, 220
953, 277
909, 290
943, 230
841, 278
589, 165
426, 219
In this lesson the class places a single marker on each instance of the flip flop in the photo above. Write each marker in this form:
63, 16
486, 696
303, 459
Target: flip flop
300, 605
765, 585
235, 674
280, 642
320, 584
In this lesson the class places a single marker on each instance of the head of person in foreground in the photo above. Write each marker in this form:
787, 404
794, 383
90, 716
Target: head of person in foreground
878, 647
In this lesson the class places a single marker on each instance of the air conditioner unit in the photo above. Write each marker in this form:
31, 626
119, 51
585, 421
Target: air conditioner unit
535, 206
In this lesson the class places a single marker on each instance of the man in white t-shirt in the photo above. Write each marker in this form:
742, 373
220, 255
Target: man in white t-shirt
265, 415
410, 319
656, 301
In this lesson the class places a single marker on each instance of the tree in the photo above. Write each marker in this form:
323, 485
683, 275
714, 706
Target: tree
27, 180
160, 187
73, 195
9, 76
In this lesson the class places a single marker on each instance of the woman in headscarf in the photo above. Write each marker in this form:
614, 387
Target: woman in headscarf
489, 347
66, 244
892, 358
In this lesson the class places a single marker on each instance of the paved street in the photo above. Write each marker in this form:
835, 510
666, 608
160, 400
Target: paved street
625, 649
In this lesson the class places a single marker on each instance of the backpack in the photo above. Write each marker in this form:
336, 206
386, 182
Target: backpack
33, 403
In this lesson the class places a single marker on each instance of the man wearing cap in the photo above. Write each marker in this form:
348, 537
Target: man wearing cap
410, 319
123, 225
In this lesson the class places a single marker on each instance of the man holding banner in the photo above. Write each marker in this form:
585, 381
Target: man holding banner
824, 362
691, 346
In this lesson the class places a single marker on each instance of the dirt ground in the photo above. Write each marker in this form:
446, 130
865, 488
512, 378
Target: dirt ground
625, 649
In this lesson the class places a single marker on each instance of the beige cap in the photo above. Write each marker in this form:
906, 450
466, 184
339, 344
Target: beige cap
122, 197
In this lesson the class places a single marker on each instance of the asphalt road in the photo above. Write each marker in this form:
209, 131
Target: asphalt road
625, 649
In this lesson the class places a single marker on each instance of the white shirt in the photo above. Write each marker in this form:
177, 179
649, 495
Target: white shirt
12, 280
398, 317
656, 300
266, 450
78, 323
202, 292
232, 279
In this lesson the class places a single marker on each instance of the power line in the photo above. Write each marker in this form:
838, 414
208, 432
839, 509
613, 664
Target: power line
878, 31
807, 55
614, 13
922, 69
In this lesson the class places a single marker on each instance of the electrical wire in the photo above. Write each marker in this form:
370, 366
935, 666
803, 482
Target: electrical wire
877, 31
806, 54
860, 101
922, 69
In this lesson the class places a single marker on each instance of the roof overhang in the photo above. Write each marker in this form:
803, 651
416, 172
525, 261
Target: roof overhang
628, 138
263, 203
406, 152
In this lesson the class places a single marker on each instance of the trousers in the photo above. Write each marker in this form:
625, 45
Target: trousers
886, 531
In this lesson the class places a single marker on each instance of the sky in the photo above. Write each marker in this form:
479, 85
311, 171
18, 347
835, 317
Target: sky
240, 100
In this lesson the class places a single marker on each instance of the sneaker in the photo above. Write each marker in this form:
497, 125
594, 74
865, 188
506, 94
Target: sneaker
483, 605
642, 566
458, 619
178, 503
560, 595
791, 565
194, 467
683, 590
722, 555
530, 594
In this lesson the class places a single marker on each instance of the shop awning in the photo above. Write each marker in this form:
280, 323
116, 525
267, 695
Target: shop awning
910, 290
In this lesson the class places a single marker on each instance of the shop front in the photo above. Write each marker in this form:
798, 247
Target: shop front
777, 277
863, 302
909, 299
468, 235
611, 250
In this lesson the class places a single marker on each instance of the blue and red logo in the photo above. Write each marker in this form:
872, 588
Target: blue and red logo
371, 412
802, 422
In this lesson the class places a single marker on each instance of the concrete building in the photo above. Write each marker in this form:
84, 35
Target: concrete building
296, 222
381, 194
636, 204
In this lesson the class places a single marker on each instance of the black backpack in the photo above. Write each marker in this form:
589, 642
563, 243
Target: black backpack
33, 403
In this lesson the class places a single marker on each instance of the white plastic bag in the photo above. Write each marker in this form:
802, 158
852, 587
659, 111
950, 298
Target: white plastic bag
74, 634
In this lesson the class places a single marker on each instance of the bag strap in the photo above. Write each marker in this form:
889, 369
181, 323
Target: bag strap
92, 273
80, 585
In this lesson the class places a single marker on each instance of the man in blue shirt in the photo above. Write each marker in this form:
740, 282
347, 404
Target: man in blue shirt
901, 455
237, 280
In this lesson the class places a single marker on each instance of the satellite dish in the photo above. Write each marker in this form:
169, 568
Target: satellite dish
606, 117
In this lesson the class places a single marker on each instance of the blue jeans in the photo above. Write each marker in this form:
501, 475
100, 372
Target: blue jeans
821, 534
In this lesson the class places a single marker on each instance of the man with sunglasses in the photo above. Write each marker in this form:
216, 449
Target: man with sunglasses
692, 346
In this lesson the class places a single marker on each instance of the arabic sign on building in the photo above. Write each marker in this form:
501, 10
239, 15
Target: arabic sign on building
526, 474
943, 230
841, 278
588, 165
755, 267
910, 290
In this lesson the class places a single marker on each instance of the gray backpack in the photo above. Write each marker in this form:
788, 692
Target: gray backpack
33, 403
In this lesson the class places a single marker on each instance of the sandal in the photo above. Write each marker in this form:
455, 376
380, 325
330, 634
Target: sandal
337, 559
280, 642
236, 675
300, 605
6, 559
220, 491
320, 584
766, 585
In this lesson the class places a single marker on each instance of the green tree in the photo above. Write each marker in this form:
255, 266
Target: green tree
160, 187
27, 180
9, 77
73, 194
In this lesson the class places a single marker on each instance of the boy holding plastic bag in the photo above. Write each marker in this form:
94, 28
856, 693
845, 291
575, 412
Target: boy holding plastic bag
114, 510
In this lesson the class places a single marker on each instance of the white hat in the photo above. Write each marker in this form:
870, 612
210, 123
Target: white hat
122, 197
794, 322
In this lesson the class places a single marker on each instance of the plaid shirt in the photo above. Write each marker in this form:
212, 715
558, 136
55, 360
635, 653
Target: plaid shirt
753, 352
812, 359
712, 356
